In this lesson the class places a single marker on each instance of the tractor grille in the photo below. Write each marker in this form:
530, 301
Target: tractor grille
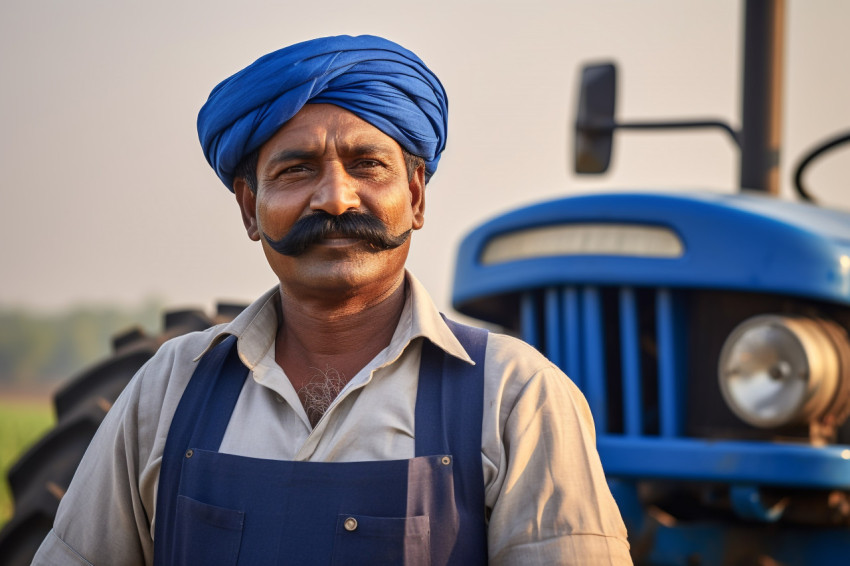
646, 359
624, 347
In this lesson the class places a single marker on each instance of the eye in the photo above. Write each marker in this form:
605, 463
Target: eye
295, 171
369, 163
288, 173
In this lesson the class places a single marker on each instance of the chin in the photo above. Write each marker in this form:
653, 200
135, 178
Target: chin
343, 278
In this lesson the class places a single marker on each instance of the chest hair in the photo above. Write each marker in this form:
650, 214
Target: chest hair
320, 391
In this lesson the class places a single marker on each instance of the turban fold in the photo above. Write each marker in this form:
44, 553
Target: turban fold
376, 79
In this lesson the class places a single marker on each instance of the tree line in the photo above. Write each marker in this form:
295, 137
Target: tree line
41, 348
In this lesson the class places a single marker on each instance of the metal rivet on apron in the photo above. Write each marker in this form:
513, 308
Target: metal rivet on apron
446, 460
350, 524
189, 453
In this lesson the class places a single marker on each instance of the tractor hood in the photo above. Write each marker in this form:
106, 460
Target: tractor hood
745, 242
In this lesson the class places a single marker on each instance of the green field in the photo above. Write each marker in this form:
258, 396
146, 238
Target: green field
22, 422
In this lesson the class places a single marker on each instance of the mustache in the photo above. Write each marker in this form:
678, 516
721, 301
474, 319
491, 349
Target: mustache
319, 225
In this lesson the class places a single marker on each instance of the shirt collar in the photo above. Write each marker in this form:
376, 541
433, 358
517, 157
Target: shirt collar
420, 318
256, 326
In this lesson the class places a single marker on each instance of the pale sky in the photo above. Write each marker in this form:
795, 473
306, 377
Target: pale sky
107, 196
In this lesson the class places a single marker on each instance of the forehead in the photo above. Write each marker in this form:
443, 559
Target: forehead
316, 126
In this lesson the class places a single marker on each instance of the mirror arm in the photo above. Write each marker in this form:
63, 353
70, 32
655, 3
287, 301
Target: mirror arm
679, 124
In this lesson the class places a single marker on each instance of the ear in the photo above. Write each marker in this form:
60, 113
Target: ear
417, 197
247, 201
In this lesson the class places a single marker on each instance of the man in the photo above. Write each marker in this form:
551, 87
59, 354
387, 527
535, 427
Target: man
339, 418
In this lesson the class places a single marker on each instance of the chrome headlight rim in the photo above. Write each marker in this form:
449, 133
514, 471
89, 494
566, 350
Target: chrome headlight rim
839, 409
814, 373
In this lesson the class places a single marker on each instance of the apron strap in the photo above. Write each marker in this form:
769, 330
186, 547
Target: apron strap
458, 389
204, 387
445, 381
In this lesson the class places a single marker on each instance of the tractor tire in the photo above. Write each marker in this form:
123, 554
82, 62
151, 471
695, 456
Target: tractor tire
39, 479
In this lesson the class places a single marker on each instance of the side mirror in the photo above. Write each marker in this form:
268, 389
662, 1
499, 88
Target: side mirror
595, 118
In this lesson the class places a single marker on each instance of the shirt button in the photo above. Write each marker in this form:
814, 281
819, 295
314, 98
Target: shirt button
350, 524
278, 398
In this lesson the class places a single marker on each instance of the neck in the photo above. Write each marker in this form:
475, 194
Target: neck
337, 336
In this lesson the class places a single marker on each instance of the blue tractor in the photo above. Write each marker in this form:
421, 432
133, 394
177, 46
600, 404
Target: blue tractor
709, 333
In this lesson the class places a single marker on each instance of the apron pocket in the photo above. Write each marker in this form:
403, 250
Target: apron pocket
206, 534
382, 540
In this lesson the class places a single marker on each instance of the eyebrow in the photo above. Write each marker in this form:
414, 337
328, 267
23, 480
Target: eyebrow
292, 155
367, 149
308, 154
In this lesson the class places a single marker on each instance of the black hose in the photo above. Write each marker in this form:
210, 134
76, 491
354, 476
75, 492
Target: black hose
811, 156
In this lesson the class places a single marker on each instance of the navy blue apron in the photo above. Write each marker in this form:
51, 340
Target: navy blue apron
215, 508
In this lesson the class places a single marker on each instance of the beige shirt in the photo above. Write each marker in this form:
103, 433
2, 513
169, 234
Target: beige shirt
545, 490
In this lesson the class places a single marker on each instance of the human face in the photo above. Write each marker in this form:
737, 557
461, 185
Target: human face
326, 159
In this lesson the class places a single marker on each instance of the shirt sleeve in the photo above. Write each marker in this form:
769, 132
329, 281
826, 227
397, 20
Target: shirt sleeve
103, 518
547, 495
54, 550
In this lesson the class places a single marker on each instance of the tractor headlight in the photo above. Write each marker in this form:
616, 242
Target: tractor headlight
778, 370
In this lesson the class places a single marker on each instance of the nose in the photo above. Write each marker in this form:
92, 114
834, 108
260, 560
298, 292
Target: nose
336, 191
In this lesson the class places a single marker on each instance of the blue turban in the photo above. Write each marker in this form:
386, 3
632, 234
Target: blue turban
376, 79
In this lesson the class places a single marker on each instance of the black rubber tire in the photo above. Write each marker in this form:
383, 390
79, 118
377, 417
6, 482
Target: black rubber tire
40, 477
